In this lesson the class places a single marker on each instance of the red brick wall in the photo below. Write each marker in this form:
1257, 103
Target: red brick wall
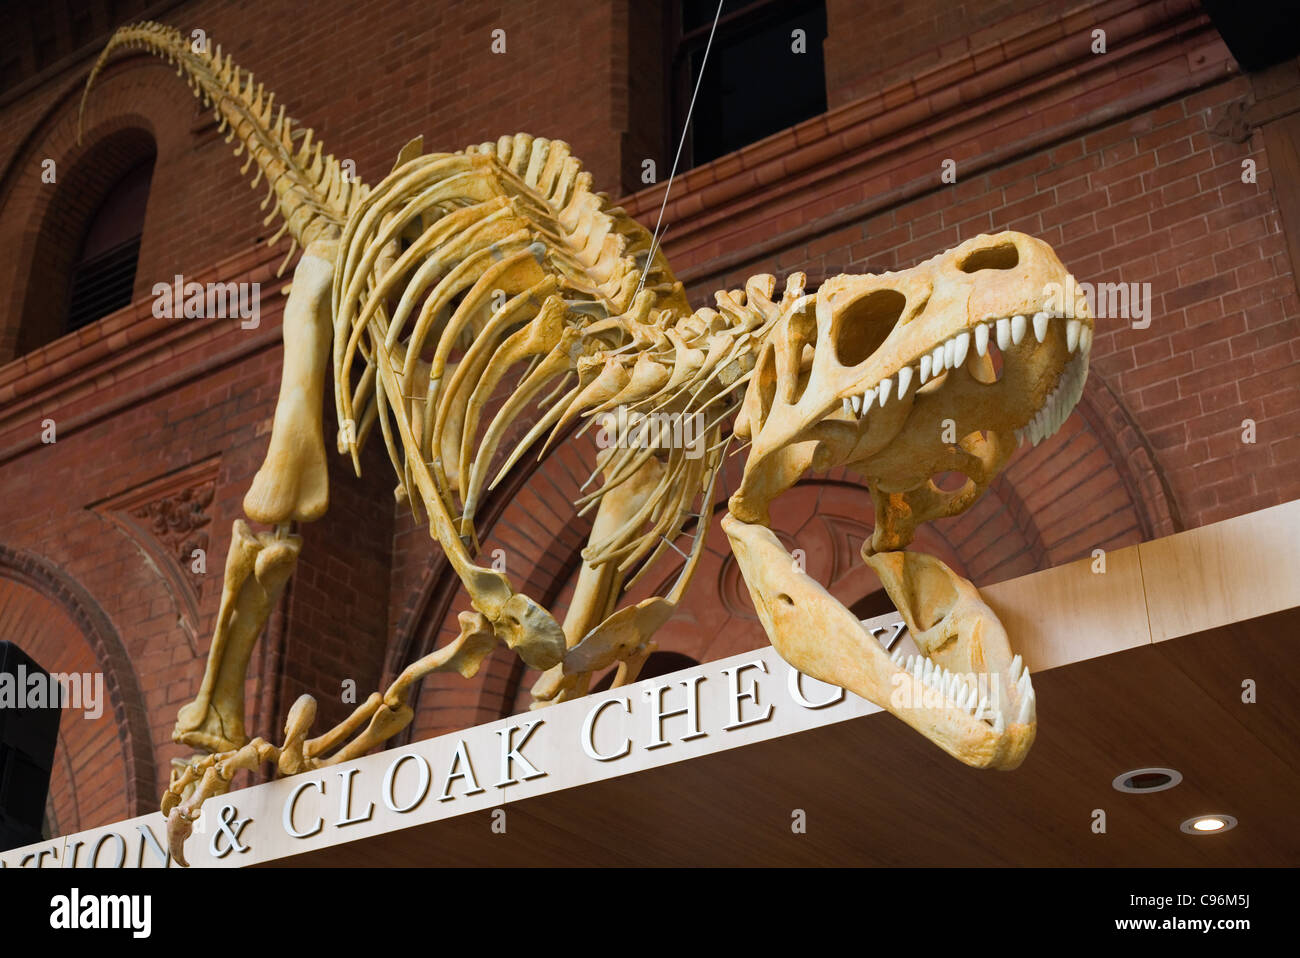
367, 79
872, 43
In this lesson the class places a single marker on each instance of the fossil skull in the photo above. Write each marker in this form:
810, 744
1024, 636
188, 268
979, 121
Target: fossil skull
905, 377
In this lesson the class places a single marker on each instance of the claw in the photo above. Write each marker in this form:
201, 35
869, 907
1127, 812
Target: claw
179, 826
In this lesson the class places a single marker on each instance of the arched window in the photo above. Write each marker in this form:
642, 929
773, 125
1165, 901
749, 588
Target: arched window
104, 271
83, 262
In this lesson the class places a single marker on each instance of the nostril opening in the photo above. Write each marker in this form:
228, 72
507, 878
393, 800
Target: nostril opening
785, 599
862, 326
1000, 256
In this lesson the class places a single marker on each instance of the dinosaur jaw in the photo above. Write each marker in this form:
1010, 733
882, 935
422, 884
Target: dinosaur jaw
964, 691
964, 668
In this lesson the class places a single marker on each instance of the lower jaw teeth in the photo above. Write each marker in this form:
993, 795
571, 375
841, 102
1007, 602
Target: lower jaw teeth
959, 692
1059, 404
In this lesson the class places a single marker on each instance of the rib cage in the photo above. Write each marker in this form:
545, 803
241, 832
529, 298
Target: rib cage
503, 250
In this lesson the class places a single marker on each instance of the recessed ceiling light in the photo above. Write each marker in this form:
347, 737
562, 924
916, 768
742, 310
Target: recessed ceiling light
1208, 824
1143, 780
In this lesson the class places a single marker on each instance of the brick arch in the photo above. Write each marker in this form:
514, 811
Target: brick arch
1133, 456
64, 629
66, 217
130, 116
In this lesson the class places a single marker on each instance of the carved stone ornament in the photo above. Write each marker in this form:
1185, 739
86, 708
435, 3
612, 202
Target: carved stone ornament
179, 521
168, 520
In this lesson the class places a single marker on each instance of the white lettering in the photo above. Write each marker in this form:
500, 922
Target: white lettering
589, 732
796, 692
390, 777
657, 714
738, 695
293, 801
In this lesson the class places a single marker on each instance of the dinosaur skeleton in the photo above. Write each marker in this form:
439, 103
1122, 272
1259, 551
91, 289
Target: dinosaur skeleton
498, 265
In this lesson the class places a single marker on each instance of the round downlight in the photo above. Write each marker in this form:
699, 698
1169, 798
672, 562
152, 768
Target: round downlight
1141, 781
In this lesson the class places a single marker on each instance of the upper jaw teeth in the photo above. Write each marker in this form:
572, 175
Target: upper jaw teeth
983, 698
951, 353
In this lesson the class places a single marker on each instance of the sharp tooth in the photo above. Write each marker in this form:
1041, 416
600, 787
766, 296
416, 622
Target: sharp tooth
848, 407
884, 387
1040, 326
1004, 333
856, 403
1085, 339
1013, 673
1026, 710
925, 368
983, 704
916, 667
1020, 437
936, 360
998, 725
868, 398
896, 657
962, 341
961, 697
904, 380
981, 339
1072, 329
1018, 326
1023, 685
950, 354
926, 668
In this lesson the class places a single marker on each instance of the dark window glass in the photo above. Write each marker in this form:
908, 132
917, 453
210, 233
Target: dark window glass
656, 664
754, 83
104, 273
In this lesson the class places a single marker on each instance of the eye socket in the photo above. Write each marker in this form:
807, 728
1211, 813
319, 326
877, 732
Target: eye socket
949, 481
1002, 256
865, 323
